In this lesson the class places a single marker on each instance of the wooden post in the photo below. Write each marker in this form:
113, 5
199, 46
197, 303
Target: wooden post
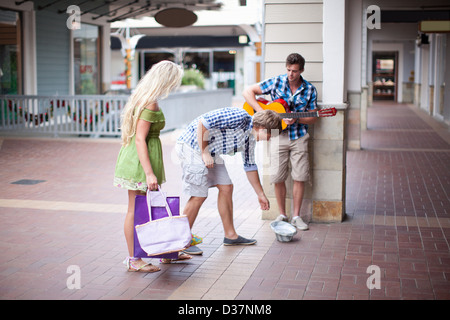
258, 64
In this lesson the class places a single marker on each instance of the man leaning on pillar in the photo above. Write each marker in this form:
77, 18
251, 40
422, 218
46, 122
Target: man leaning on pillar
301, 96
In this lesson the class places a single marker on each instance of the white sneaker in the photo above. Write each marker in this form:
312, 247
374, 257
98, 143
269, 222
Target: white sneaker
298, 222
281, 218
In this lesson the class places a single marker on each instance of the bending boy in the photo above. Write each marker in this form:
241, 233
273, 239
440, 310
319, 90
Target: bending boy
222, 131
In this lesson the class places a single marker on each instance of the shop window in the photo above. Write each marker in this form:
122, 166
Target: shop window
224, 61
10, 53
150, 58
385, 76
86, 59
224, 69
198, 61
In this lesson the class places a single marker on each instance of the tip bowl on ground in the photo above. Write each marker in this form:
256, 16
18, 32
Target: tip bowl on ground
284, 231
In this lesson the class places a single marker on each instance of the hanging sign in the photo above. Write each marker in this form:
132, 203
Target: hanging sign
434, 26
176, 17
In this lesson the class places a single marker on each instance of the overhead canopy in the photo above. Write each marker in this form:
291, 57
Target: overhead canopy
183, 41
117, 10
413, 16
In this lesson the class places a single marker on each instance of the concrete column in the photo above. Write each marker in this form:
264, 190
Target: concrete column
329, 147
29, 53
353, 67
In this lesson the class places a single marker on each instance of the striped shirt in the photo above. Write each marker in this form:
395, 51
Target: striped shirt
304, 99
229, 132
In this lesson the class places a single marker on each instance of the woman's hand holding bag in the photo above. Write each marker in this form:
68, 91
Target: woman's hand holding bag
165, 235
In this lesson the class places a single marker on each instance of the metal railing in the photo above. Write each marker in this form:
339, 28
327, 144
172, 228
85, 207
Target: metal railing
92, 115
97, 115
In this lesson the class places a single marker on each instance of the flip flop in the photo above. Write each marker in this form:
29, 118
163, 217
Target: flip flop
182, 256
146, 267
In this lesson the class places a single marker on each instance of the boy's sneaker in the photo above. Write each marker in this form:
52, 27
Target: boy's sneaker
298, 222
281, 218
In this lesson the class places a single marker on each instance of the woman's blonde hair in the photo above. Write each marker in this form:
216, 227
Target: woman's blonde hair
156, 84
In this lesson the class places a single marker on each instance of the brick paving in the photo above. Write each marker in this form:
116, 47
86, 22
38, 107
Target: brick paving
397, 208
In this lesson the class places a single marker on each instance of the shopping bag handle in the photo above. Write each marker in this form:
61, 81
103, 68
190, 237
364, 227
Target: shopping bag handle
149, 205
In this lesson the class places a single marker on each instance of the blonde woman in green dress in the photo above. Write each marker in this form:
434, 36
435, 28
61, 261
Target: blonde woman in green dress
140, 162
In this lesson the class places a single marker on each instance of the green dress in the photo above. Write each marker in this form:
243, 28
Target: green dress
129, 173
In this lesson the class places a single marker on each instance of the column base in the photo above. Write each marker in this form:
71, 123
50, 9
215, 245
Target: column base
328, 211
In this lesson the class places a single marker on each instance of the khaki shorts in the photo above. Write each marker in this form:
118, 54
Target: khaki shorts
286, 153
197, 179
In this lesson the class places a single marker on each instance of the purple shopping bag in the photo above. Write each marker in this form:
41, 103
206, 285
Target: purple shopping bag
141, 217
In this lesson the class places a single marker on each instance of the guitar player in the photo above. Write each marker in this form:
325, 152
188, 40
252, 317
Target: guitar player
301, 96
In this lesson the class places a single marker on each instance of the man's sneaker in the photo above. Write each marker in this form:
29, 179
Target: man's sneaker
281, 218
298, 222
240, 241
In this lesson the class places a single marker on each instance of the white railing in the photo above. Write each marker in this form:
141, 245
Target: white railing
96, 115
62, 115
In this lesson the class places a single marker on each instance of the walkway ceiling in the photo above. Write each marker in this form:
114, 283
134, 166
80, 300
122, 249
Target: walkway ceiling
117, 10
414, 16
412, 11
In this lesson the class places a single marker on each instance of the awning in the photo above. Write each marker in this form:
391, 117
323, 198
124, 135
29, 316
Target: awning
117, 10
148, 42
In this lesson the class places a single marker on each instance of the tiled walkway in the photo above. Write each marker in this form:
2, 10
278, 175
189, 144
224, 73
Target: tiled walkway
398, 219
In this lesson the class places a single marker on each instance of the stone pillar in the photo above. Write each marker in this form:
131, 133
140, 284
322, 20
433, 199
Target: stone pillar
353, 69
328, 167
329, 146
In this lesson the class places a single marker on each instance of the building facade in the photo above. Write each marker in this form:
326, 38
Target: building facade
222, 45
46, 56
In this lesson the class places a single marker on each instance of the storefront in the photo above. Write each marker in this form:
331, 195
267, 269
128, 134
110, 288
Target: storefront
219, 59
216, 65
42, 54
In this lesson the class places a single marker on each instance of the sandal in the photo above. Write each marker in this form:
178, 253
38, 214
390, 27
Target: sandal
181, 256
146, 267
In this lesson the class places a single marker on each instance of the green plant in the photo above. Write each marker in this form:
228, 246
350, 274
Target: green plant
193, 77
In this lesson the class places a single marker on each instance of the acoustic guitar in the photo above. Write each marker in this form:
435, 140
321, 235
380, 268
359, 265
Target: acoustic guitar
280, 107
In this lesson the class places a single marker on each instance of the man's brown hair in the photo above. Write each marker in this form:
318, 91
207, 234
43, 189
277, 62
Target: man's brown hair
295, 58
